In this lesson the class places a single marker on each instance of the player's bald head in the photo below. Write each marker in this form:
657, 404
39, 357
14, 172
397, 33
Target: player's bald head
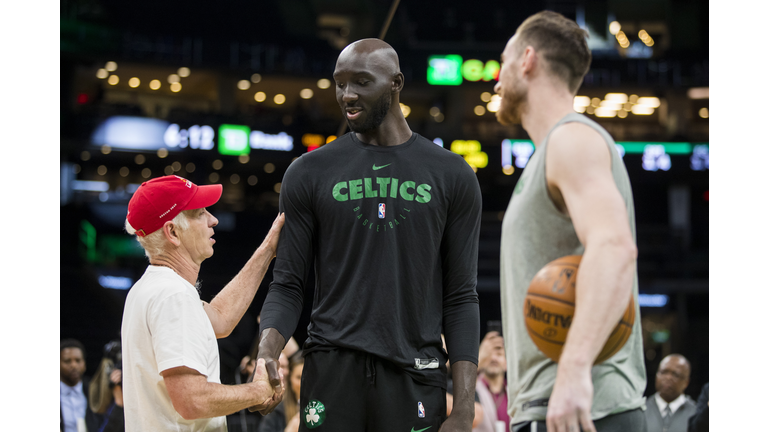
372, 55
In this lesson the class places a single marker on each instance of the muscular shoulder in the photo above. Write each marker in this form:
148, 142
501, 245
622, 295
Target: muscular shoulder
575, 139
576, 147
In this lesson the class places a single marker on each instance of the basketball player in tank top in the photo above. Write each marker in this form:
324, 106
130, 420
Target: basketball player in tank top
573, 197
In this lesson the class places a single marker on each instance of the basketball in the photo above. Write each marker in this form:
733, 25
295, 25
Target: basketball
549, 306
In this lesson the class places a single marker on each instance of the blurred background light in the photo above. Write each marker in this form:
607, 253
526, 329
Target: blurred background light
698, 93
405, 109
614, 27
306, 93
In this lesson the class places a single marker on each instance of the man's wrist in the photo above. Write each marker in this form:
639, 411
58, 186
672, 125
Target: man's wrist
571, 361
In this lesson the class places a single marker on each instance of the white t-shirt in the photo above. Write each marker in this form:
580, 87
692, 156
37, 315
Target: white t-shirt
164, 326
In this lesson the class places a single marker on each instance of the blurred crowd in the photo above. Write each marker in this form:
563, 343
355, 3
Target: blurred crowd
96, 403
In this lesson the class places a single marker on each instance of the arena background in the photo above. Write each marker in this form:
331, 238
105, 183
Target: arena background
224, 56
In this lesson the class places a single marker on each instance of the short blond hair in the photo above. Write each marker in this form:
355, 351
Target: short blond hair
154, 243
561, 42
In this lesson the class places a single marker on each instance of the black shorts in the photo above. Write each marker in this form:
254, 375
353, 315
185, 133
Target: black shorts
351, 391
628, 421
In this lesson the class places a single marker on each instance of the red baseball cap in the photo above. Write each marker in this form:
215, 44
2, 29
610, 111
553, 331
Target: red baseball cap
162, 199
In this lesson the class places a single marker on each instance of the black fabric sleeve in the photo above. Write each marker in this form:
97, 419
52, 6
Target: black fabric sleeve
459, 248
293, 264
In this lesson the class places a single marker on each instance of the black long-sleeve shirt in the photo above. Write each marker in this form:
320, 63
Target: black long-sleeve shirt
393, 235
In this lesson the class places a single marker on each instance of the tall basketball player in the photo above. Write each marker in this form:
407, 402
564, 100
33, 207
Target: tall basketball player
391, 223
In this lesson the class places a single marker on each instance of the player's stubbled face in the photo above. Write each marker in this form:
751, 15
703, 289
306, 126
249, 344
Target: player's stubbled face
363, 90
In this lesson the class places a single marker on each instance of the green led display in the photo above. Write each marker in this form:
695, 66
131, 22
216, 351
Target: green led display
672, 148
233, 140
452, 70
445, 70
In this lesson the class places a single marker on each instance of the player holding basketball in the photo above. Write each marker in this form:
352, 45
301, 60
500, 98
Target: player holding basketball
573, 198
391, 222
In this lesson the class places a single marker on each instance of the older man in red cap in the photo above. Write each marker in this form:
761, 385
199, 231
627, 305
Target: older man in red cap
170, 355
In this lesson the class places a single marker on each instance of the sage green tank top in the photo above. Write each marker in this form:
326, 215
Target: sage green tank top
535, 232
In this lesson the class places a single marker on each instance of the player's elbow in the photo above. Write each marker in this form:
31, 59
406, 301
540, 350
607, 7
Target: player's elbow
620, 247
626, 248
222, 333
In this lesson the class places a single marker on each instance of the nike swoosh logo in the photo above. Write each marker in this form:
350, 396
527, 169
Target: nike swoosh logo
378, 168
420, 430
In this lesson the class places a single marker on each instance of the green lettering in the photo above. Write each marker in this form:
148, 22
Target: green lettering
365, 222
424, 195
404, 190
356, 209
383, 182
390, 225
355, 189
369, 192
396, 222
359, 216
393, 189
337, 191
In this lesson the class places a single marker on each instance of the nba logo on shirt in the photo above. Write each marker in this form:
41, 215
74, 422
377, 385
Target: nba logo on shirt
422, 413
382, 210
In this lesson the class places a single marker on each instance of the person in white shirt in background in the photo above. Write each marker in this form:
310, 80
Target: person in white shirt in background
669, 408
170, 355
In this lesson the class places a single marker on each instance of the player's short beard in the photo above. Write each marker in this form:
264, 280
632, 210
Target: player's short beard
378, 111
514, 103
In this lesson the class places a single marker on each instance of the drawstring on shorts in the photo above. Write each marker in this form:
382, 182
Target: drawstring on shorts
370, 369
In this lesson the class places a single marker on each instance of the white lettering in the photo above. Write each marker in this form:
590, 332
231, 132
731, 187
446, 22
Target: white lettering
168, 211
281, 141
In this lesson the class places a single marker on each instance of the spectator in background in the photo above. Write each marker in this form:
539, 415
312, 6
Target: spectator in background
285, 417
106, 390
699, 422
73, 406
669, 408
492, 384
